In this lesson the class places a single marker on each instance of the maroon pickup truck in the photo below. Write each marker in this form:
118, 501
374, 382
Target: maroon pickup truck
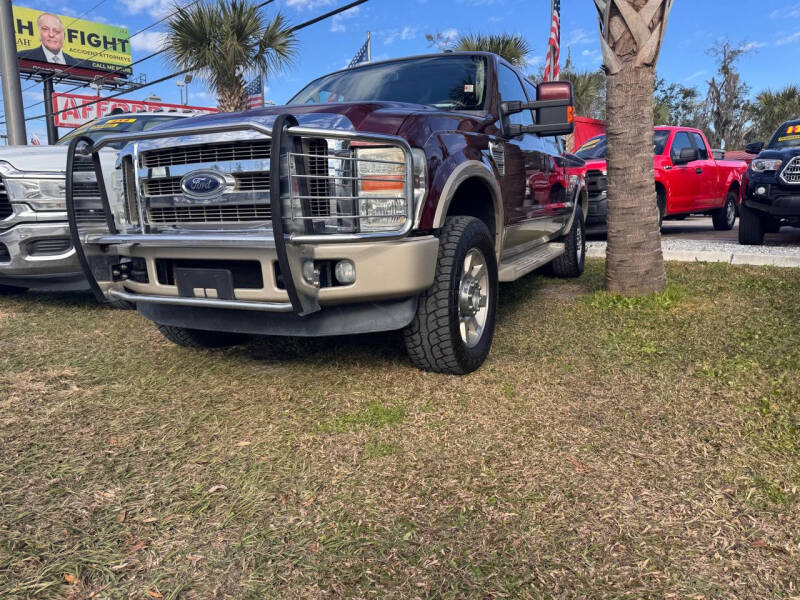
688, 179
390, 196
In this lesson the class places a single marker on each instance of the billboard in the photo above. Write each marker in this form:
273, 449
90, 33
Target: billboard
58, 42
75, 114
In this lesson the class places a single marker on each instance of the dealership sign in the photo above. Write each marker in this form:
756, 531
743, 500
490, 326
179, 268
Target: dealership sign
59, 42
74, 110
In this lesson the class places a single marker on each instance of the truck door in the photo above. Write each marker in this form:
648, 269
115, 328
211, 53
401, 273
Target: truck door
683, 181
529, 177
709, 193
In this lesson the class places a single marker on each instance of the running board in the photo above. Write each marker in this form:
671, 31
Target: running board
530, 261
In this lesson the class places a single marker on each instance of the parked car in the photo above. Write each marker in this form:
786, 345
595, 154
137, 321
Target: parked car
772, 196
389, 196
688, 179
35, 246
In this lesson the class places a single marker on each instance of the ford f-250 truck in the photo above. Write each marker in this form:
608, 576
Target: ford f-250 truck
35, 246
688, 179
390, 196
772, 196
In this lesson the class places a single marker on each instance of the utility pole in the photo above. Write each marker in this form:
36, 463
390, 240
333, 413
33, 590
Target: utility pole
9, 73
47, 90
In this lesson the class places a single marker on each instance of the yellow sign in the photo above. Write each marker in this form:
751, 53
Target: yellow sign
62, 42
787, 138
793, 129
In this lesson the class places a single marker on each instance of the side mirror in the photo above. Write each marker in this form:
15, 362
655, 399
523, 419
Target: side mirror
553, 110
754, 147
718, 154
686, 155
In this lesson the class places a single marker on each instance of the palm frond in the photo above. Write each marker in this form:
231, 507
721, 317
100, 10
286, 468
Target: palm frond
513, 48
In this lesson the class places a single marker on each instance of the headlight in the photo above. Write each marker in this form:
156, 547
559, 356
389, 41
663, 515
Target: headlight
40, 194
381, 189
759, 165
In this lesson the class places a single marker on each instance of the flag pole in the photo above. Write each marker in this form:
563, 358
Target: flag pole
263, 89
369, 47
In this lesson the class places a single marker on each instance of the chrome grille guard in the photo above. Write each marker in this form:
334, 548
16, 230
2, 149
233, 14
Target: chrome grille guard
94, 243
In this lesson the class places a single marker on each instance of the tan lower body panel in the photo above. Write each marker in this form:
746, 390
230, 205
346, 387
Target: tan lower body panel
383, 269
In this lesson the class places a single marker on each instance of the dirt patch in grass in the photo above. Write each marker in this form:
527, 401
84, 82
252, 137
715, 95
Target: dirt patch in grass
607, 449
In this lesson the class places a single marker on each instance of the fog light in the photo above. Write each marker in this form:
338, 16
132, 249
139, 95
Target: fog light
311, 273
761, 190
345, 272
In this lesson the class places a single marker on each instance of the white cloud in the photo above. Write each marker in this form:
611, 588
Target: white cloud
338, 23
693, 76
535, 61
753, 46
148, 41
308, 4
450, 34
579, 36
408, 33
155, 8
789, 39
792, 12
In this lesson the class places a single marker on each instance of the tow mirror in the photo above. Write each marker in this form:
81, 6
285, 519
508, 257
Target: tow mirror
754, 147
554, 111
686, 155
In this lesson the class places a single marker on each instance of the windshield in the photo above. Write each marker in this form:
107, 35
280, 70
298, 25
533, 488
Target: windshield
787, 136
596, 147
100, 128
446, 82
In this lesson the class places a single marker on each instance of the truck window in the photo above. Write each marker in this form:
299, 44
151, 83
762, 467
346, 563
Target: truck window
701, 145
660, 138
510, 88
680, 142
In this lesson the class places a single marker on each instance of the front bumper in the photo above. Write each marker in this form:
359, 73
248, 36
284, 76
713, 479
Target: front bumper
777, 202
598, 209
39, 254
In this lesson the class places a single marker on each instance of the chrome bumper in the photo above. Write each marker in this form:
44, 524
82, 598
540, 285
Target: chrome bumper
25, 227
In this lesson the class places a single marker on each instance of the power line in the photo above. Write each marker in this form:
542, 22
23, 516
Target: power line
184, 71
108, 74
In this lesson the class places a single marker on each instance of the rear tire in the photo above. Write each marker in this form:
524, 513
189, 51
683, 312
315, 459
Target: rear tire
8, 290
197, 338
724, 218
453, 329
751, 227
573, 261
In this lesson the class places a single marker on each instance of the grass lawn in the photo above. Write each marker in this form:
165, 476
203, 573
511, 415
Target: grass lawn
609, 448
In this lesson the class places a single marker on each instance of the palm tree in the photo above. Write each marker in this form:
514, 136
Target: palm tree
227, 41
631, 32
773, 108
511, 47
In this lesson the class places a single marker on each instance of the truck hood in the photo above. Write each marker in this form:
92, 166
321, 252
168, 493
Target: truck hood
35, 158
386, 118
596, 164
786, 153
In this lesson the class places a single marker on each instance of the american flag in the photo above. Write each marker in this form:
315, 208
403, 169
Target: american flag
361, 56
255, 93
551, 68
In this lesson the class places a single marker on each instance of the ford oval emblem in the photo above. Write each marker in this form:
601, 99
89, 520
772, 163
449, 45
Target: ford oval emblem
203, 184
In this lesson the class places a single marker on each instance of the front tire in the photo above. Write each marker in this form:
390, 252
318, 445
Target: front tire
573, 261
724, 218
453, 329
751, 227
197, 338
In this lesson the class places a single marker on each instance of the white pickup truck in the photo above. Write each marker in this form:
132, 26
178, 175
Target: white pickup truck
35, 245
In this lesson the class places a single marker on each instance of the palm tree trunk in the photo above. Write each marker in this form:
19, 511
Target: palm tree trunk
634, 262
631, 33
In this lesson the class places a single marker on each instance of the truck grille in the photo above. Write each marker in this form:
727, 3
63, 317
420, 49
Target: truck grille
791, 172
208, 153
5, 203
596, 183
171, 186
45, 247
235, 213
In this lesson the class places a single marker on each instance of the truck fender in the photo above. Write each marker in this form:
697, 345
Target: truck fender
580, 199
472, 169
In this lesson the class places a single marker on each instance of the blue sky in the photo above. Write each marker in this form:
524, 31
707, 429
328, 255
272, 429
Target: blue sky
771, 28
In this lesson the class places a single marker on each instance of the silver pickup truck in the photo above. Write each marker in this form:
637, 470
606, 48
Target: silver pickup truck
35, 246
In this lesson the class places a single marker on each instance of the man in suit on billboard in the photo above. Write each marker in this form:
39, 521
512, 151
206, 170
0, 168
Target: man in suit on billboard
51, 33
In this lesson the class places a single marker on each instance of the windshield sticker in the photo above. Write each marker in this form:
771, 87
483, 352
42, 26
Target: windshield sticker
469, 89
793, 129
102, 126
591, 143
121, 121
788, 138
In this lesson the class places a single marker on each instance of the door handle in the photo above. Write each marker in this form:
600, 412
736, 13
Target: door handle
698, 170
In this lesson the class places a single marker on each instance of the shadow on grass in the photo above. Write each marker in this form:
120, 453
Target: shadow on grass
80, 299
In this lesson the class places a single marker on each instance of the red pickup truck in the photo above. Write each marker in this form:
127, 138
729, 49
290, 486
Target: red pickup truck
688, 179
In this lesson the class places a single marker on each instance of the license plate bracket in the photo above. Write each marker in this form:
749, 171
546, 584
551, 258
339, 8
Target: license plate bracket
204, 283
